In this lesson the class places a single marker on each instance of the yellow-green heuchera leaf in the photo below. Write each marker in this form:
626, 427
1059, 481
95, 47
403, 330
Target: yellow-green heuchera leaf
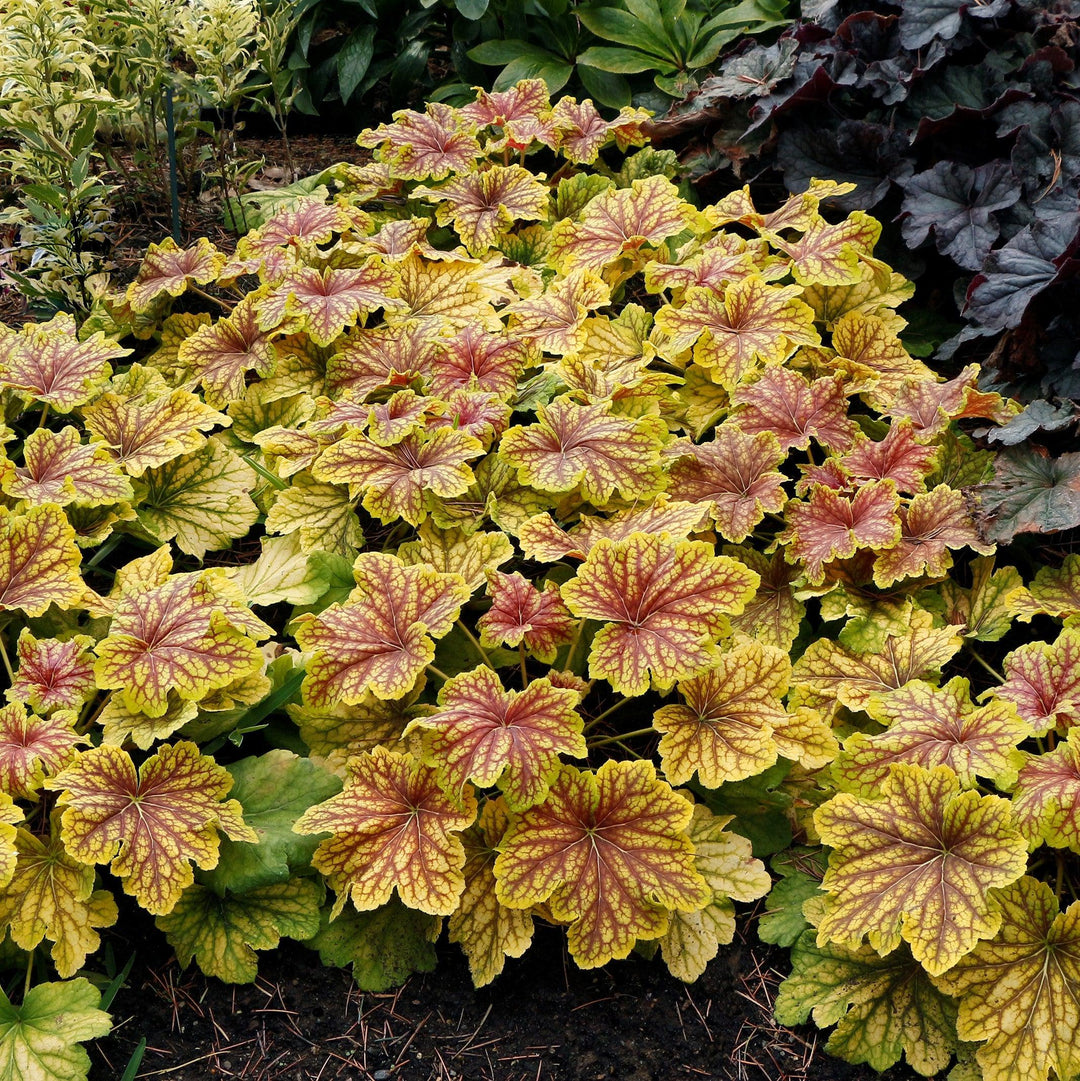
222, 933
41, 1038
917, 864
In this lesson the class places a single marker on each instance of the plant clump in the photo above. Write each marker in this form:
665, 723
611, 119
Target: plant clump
487, 543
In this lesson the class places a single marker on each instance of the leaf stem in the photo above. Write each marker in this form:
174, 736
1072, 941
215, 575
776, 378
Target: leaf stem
44, 415
578, 630
223, 304
982, 662
6, 659
607, 713
85, 725
265, 473
29, 974
474, 641
650, 731
435, 672
521, 665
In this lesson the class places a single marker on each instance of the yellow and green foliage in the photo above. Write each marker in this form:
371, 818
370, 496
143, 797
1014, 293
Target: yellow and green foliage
593, 545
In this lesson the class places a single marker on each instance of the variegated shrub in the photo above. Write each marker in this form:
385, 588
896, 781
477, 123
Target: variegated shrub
488, 543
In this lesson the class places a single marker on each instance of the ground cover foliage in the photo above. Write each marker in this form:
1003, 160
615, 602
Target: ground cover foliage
496, 536
958, 125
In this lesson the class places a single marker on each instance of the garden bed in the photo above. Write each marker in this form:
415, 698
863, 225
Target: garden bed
544, 1019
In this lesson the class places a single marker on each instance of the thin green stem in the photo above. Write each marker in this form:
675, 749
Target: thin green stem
29, 974
223, 304
650, 731
87, 723
578, 631
522, 666
601, 717
983, 663
475, 643
44, 415
6, 659
265, 473
435, 672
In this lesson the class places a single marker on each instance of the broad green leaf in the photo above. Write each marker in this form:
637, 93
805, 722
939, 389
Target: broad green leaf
274, 788
222, 933
882, 1007
384, 946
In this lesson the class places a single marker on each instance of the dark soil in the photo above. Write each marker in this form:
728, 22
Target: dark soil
542, 1020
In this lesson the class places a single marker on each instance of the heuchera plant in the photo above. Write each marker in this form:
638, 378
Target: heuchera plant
486, 544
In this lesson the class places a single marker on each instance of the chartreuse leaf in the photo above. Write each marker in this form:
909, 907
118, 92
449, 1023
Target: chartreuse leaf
147, 429
882, 1007
393, 828
587, 445
985, 611
384, 946
487, 930
52, 896
274, 789
382, 638
621, 221
609, 854
40, 1038
334, 733
202, 500
829, 671
151, 825
283, 572
664, 602
485, 734
222, 933
453, 551
917, 864
732, 724
323, 516
724, 860
483, 205
750, 324
39, 561
1054, 591
1020, 992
